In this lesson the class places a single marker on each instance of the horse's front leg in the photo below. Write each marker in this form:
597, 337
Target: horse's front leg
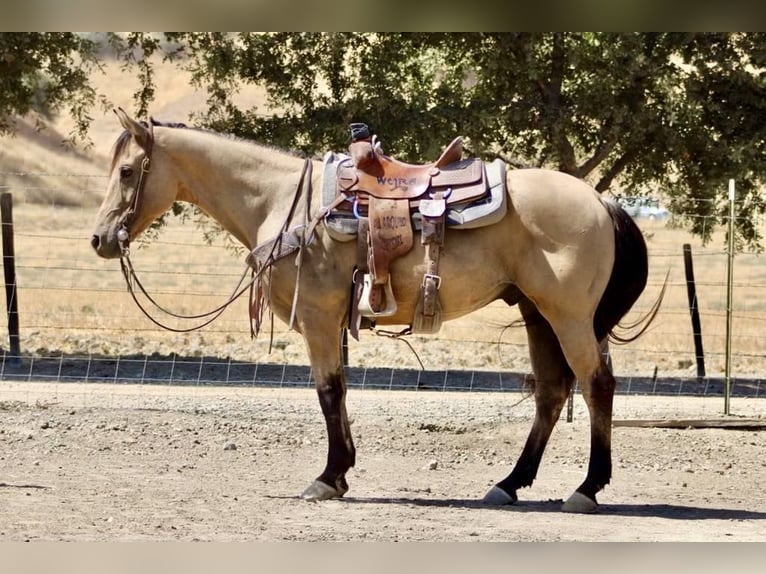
324, 347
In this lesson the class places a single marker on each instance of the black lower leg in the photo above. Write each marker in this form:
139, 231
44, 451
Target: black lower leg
553, 380
525, 470
600, 396
341, 454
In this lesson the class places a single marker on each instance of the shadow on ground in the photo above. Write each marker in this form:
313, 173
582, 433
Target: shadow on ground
670, 511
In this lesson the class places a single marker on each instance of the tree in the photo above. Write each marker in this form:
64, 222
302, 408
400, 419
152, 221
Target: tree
669, 114
44, 72
629, 112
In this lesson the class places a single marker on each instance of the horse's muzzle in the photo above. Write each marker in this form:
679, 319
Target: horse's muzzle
103, 248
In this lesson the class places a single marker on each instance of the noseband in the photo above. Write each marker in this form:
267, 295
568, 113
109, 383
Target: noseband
123, 231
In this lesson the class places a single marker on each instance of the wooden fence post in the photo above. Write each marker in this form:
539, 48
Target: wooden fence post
9, 270
691, 290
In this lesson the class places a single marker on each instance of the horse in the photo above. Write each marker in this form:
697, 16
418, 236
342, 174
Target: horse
574, 262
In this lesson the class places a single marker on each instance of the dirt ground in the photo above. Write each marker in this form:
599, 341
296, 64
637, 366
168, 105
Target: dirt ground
116, 462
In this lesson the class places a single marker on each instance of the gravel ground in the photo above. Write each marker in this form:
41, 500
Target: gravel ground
117, 462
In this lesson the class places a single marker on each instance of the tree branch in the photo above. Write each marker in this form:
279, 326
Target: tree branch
515, 162
622, 162
556, 117
603, 149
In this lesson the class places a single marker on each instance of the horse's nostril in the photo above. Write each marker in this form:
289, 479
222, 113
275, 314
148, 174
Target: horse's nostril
95, 242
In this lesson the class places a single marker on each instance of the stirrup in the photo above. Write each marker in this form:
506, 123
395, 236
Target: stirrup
365, 309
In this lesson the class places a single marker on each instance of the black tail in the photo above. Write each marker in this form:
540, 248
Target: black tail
628, 279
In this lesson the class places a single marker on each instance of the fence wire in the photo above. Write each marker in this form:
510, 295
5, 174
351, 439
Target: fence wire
78, 324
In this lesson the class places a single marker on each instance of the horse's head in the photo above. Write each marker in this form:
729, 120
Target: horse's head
140, 189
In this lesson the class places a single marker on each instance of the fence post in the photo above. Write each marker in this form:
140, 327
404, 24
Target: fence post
9, 270
691, 290
729, 302
344, 346
570, 399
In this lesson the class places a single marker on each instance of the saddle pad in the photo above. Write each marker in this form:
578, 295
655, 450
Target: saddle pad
486, 211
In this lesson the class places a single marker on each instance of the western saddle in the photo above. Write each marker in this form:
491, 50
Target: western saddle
387, 198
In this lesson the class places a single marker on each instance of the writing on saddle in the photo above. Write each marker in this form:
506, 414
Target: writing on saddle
389, 222
391, 243
402, 183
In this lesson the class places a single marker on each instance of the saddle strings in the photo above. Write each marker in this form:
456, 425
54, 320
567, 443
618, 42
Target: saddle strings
397, 336
305, 184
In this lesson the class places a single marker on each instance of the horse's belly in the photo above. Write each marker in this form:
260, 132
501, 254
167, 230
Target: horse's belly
469, 281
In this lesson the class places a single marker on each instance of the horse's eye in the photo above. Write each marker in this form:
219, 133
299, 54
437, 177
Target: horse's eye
126, 171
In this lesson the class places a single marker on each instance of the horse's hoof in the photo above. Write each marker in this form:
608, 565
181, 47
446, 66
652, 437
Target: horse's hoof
319, 490
579, 503
498, 497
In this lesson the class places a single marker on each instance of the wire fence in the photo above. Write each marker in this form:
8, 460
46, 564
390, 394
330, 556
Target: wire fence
77, 322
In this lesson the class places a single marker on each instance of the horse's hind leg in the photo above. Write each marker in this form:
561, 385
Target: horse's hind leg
598, 392
553, 382
598, 385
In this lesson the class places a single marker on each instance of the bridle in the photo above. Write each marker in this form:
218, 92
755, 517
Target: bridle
123, 233
131, 278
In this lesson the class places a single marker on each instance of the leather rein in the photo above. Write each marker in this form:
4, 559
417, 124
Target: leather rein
131, 278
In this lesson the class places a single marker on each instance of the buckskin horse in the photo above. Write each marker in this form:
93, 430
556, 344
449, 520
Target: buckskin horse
573, 261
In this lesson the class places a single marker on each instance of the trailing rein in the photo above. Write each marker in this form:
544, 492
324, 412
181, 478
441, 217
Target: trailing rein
131, 277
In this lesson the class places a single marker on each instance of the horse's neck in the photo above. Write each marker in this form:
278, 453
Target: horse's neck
247, 188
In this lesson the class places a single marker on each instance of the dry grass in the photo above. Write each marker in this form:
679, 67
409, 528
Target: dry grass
41, 164
73, 302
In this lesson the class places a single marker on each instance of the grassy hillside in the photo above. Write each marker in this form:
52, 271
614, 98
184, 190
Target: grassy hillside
40, 163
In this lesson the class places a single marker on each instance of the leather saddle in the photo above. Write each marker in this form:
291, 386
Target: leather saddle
387, 198
384, 177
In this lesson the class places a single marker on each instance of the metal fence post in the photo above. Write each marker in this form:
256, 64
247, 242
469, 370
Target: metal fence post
729, 303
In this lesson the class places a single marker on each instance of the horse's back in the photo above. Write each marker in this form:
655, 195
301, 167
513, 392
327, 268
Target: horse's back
556, 202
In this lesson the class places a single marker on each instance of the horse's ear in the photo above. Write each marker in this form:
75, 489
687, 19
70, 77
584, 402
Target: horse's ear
137, 129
